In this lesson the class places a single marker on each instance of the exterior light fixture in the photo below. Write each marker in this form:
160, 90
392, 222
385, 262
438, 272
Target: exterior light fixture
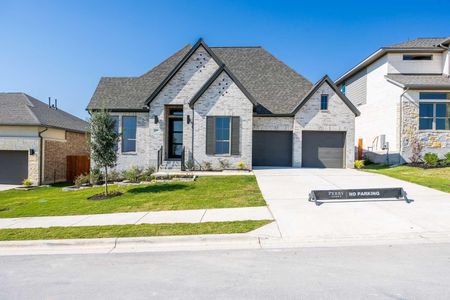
188, 119
156, 119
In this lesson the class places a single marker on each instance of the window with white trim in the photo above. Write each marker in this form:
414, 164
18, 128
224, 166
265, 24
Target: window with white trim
223, 135
434, 111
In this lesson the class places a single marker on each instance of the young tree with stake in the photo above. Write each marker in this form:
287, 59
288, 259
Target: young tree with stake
103, 141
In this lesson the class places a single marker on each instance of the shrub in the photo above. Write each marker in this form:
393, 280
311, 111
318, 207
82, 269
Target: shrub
189, 164
367, 161
132, 174
114, 176
82, 179
224, 163
241, 165
431, 159
359, 164
146, 175
447, 158
207, 166
96, 176
27, 182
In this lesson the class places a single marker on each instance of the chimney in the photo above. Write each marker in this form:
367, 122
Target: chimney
56, 104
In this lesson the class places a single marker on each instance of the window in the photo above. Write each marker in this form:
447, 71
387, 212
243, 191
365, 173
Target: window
324, 102
128, 134
417, 57
116, 129
223, 129
434, 111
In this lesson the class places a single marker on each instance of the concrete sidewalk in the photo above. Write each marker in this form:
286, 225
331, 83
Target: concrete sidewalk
149, 217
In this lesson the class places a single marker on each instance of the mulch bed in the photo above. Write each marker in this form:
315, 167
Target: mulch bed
104, 197
425, 166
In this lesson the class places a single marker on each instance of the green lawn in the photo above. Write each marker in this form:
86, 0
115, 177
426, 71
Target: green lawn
82, 232
438, 178
205, 192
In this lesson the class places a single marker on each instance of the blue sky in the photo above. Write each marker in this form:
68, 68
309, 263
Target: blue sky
62, 48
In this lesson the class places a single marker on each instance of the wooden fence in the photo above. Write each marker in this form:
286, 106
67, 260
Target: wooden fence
77, 165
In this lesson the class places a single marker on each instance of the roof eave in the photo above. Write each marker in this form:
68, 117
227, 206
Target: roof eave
380, 53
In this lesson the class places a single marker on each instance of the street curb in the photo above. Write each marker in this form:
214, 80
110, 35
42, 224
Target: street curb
239, 241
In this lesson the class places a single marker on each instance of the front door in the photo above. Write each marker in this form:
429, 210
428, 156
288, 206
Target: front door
175, 137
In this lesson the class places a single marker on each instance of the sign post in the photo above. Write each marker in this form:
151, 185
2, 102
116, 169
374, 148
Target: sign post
318, 196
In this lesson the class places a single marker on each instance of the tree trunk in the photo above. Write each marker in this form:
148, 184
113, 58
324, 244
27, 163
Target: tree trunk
106, 180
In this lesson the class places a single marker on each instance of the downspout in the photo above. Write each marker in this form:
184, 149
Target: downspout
446, 61
401, 125
41, 153
192, 139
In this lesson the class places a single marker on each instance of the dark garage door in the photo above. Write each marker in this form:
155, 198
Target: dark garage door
13, 166
272, 148
323, 149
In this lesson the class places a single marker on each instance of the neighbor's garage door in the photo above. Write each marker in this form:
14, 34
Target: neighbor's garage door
322, 149
13, 166
272, 148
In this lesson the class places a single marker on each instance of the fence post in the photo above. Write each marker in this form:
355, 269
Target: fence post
360, 149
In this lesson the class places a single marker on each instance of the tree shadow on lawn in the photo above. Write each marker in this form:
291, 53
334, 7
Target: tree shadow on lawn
159, 188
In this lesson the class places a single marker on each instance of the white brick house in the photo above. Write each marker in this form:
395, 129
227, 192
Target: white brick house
210, 106
403, 93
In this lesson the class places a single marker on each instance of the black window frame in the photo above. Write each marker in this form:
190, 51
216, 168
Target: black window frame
417, 57
435, 99
116, 120
324, 100
222, 141
126, 139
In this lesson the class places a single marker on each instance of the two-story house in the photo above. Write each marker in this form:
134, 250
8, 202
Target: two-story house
403, 93
227, 107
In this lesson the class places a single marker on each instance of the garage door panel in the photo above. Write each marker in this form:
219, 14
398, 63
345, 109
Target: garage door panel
272, 148
323, 149
13, 166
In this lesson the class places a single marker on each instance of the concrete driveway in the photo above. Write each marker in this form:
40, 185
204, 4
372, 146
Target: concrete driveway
286, 192
4, 187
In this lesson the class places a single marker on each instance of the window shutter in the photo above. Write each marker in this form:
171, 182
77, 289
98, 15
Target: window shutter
235, 135
210, 136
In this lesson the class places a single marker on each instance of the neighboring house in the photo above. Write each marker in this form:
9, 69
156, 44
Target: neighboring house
35, 140
231, 105
403, 93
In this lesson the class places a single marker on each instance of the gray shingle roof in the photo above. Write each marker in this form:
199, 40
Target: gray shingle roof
276, 87
419, 43
421, 81
22, 109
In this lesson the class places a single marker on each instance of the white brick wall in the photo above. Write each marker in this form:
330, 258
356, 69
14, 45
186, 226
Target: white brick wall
225, 99
140, 158
273, 123
339, 117
179, 91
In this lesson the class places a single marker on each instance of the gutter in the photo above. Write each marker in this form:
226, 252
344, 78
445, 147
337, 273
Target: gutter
401, 123
41, 153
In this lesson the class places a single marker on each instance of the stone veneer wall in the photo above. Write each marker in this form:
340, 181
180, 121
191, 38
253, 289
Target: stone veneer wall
179, 91
433, 141
25, 144
223, 98
338, 118
56, 152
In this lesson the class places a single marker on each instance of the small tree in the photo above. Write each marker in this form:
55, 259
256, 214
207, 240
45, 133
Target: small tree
103, 141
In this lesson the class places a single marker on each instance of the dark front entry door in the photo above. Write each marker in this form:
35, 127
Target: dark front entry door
175, 137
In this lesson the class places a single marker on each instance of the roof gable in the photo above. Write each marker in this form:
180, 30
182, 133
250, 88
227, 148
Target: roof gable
314, 89
200, 43
222, 68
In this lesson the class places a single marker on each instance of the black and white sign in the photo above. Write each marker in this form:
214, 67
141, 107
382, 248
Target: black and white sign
356, 194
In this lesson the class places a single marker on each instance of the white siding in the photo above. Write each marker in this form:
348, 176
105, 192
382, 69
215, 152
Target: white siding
356, 88
398, 65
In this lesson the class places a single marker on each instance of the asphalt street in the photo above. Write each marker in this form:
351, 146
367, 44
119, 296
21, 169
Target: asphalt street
365, 272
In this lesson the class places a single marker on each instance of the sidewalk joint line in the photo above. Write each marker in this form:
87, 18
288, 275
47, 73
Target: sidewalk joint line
201, 219
141, 217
